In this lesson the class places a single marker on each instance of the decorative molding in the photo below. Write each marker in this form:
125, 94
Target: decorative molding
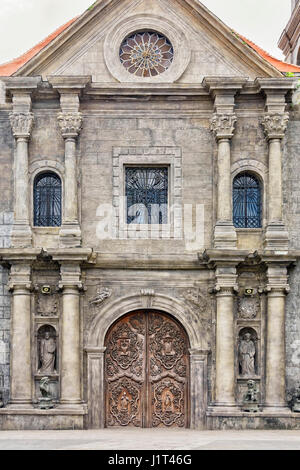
223, 125
147, 296
275, 125
70, 124
21, 124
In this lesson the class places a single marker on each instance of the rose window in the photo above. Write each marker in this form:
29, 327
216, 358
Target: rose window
146, 54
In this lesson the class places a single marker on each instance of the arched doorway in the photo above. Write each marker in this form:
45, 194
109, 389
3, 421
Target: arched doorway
147, 371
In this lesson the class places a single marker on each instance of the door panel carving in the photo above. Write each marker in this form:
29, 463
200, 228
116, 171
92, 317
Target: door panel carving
146, 372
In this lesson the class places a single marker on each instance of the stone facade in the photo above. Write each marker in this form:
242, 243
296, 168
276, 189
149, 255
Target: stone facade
75, 113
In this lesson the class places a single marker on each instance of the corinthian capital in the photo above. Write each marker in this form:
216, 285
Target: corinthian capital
275, 125
223, 125
70, 124
21, 124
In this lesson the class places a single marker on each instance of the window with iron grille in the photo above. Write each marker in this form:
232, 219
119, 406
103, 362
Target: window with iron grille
47, 200
246, 201
146, 190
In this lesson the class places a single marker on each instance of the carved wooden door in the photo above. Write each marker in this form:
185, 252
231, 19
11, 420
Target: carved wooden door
146, 372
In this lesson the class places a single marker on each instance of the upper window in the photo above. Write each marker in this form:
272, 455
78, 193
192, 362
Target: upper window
47, 200
246, 201
146, 54
147, 195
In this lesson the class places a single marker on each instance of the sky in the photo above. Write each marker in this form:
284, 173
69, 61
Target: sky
24, 23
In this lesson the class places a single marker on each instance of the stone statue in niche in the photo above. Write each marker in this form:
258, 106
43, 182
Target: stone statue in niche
247, 353
47, 354
45, 401
250, 403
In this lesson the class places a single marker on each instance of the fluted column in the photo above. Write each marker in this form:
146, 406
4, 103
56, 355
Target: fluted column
276, 237
21, 123
225, 343
70, 124
277, 289
70, 335
20, 372
223, 127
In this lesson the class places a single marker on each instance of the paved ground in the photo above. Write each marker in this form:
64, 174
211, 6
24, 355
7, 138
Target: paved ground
149, 439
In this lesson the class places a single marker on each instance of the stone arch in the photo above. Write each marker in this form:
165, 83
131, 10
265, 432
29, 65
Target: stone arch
114, 310
95, 351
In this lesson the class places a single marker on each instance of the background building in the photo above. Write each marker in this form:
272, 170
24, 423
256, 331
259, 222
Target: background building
289, 41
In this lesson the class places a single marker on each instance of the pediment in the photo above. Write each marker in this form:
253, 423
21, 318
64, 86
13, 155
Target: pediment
203, 45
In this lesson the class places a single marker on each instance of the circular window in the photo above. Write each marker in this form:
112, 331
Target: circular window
146, 54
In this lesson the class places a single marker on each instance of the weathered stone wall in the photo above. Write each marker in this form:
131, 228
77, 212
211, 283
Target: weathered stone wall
291, 172
6, 220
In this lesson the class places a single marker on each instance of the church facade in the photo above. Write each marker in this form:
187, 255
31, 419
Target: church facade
150, 227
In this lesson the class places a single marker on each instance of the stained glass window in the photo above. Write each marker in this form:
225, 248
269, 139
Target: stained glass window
246, 201
147, 195
47, 200
146, 54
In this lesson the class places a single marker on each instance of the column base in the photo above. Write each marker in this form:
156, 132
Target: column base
20, 405
75, 406
225, 236
70, 236
226, 408
21, 236
276, 237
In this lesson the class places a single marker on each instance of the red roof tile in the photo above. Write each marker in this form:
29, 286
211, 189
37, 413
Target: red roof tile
8, 69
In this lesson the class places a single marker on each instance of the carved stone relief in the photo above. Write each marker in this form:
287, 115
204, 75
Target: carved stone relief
47, 305
248, 307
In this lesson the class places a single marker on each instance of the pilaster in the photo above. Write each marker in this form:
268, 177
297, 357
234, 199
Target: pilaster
223, 123
277, 288
70, 122
275, 123
70, 285
20, 286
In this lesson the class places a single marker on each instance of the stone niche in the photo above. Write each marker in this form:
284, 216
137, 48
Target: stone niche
46, 359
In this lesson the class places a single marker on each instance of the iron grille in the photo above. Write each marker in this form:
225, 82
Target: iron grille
147, 195
47, 200
246, 201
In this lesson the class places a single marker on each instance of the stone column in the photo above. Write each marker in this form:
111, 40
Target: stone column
276, 237
277, 289
70, 335
198, 394
225, 343
96, 395
20, 369
70, 234
21, 123
223, 127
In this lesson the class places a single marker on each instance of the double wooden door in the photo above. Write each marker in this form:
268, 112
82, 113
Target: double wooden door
146, 372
